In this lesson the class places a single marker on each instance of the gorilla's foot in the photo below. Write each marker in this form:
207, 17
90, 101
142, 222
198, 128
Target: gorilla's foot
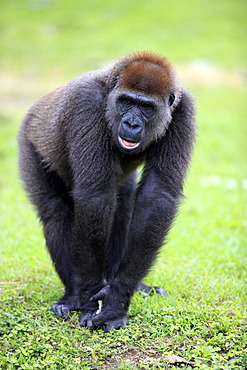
147, 290
65, 305
61, 310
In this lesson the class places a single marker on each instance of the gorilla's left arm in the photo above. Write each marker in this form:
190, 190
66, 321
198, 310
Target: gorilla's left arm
155, 207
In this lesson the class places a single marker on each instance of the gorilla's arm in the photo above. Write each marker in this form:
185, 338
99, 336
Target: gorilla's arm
155, 207
159, 192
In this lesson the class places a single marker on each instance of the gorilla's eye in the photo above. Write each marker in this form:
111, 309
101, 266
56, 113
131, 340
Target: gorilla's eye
126, 102
146, 106
147, 109
171, 99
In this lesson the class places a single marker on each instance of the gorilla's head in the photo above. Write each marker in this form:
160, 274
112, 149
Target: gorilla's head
139, 107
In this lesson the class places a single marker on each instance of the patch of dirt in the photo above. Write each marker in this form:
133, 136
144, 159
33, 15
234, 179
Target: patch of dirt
202, 72
132, 357
141, 357
20, 91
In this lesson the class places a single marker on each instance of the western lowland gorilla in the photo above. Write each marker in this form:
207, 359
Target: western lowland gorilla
79, 149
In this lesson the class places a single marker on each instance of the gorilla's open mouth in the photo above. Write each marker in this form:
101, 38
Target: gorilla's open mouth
129, 145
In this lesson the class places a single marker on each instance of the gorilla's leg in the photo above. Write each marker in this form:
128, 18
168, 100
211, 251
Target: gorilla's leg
84, 255
50, 195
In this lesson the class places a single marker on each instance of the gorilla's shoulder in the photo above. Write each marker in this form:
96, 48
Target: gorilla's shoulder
88, 90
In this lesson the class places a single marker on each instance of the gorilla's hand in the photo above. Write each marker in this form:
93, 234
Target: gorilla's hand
114, 308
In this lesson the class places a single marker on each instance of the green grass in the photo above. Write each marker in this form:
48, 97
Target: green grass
203, 265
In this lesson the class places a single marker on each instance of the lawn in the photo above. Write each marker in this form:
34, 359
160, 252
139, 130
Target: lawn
203, 266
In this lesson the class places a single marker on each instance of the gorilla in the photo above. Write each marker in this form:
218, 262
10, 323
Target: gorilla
80, 147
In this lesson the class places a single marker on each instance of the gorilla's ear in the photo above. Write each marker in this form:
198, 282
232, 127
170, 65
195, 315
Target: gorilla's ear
114, 82
171, 99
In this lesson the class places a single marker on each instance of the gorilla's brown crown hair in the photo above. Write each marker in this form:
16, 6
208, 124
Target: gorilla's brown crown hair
149, 73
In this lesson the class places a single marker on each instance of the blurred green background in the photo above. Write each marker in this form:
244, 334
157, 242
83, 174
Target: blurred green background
44, 37
43, 43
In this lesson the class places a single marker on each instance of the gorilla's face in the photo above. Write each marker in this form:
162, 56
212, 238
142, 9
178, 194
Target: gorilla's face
135, 112
139, 119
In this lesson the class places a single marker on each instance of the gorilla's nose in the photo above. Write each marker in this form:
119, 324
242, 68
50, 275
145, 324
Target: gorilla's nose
132, 126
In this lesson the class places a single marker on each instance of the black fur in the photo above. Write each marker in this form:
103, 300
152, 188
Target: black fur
102, 229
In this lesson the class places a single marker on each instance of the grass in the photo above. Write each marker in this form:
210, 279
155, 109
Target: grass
203, 265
